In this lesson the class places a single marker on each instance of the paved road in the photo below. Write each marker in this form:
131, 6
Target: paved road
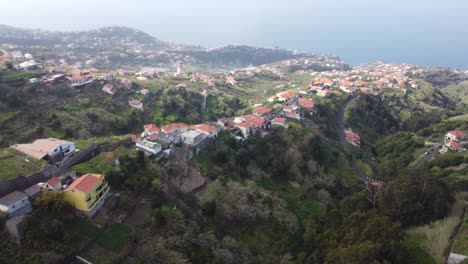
340, 120
344, 143
431, 152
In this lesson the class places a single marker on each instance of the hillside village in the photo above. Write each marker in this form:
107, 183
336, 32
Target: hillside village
118, 188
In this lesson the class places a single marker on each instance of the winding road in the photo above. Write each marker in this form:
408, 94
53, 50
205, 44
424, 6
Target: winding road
342, 138
431, 152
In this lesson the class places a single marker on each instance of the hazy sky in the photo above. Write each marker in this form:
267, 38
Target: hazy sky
426, 32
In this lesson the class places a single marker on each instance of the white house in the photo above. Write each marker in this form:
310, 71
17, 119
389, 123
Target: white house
246, 129
455, 135
208, 130
192, 137
13, 202
135, 104
54, 184
46, 148
284, 96
109, 88
151, 147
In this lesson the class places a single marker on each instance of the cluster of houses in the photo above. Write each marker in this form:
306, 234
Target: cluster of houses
86, 193
454, 140
154, 139
365, 78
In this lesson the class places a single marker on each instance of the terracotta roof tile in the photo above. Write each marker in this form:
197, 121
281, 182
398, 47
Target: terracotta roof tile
86, 182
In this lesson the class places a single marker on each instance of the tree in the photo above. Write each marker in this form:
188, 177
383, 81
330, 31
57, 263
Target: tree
9, 65
54, 201
364, 237
416, 197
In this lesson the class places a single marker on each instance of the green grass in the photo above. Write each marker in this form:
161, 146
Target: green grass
100, 164
99, 141
81, 227
13, 163
366, 169
302, 207
461, 241
434, 237
416, 255
460, 117
114, 237
7, 116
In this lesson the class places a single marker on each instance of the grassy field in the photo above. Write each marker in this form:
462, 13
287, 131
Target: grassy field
458, 91
302, 207
366, 169
433, 238
416, 255
460, 117
461, 241
13, 163
114, 237
6, 116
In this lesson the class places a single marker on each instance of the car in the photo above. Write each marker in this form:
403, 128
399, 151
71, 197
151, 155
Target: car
425, 153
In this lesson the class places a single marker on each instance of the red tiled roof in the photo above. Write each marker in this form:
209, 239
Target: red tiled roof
346, 84
291, 115
86, 182
244, 125
54, 181
306, 103
171, 127
454, 144
457, 133
285, 94
258, 121
360, 83
152, 137
326, 80
279, 119
261, 110
78, 78
207, 128
352, 136
133, 136
151, 128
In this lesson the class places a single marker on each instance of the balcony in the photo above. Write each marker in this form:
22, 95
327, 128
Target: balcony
99, 196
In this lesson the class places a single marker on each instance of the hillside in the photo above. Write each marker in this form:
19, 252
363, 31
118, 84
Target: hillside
125, 47
105, 37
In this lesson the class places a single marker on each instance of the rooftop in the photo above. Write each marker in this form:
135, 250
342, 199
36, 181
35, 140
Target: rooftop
86, 182
40, 147
12, 198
